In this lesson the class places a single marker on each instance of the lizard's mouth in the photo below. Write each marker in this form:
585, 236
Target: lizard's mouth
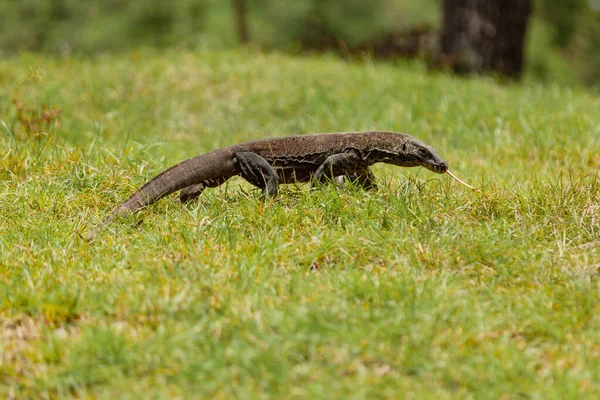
440, 168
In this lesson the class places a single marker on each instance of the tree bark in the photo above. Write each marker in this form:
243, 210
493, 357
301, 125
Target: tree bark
485, 36
240, 10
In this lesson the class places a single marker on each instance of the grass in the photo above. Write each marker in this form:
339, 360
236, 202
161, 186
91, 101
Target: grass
420, 289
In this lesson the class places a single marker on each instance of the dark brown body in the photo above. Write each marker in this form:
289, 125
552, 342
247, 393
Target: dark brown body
269, 162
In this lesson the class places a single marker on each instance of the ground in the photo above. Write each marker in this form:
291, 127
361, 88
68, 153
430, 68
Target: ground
423, 288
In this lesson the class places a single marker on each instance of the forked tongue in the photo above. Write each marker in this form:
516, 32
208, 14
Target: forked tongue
458, 180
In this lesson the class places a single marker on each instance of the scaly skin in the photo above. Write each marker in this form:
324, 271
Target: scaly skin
270, 162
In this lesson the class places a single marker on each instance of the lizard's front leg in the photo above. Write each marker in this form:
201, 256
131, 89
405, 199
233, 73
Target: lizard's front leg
363, 178
339, 164
258, 172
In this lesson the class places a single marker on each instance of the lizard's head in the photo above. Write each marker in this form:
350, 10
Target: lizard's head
415, 153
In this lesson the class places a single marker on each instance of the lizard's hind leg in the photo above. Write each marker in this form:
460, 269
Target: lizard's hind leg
192, 192
258, 172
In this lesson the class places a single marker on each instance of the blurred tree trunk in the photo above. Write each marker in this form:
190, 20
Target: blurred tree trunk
240, 10
485, 36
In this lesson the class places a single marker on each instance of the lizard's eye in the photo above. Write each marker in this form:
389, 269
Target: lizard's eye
423, 152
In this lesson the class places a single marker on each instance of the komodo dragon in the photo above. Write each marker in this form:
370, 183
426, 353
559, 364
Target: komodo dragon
270, 162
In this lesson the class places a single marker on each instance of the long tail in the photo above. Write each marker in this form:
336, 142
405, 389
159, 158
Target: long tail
216, 164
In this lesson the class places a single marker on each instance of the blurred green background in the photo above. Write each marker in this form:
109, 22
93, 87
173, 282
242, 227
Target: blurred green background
563, 37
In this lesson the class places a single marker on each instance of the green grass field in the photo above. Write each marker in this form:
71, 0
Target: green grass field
423, 288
